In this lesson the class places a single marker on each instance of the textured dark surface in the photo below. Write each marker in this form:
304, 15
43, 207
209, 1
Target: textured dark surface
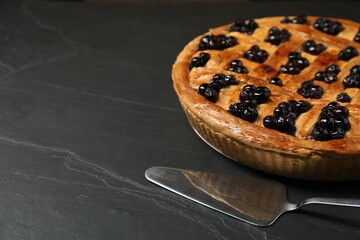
86, 106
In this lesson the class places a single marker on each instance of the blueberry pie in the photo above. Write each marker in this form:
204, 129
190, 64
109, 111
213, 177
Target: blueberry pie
279, 94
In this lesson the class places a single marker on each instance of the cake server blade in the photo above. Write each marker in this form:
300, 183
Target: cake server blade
241, 197
254, 200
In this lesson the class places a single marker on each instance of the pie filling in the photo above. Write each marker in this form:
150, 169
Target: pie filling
257, 73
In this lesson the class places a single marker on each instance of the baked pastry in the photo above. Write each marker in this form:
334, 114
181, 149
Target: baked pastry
279, 94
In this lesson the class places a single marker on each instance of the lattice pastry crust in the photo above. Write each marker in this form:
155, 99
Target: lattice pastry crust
300, 152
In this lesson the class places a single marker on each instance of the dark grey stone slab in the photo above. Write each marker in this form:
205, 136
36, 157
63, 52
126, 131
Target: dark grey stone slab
86, 106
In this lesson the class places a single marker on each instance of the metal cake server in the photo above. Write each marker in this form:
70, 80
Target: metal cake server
254, 200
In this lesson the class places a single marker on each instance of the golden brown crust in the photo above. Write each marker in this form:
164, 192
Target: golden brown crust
254, 135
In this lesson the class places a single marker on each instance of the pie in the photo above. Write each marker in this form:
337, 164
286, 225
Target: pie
279, 94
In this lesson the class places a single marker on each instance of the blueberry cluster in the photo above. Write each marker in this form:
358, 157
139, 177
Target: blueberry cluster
329, 75
328, 26
310, 46
218, 42
348, 53
243, 27
299, 19
238, 67
276, 81
295, 64
200, 60
357, 37
250, 97
285, 115
353, 79
256, 54
332, 123
309, 90
343, 97
211, 90
258, 95
277, 36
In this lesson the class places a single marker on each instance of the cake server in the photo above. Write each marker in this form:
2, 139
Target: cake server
254, 200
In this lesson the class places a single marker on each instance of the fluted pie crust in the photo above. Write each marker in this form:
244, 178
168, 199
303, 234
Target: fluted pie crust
253, 144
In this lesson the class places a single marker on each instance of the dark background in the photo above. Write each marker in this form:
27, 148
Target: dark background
87, 105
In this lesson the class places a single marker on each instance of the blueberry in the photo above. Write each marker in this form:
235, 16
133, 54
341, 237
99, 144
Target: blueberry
249, 87
327, 112
269, 122
357, 37
237, 66
307, 84
328, 26
218, 81
211, 94
333, 69
276, 81
343, 123
301, 62
299, 19
202, 88
284, 116
316, 92
219, 76
327, 122
348, 53
243, 27
352, 81
292, 115
309, 90
332, 106
256, 54
293, 104
294, 55
302, 106
199, 61
285, 106
330, 77
230, 80
342, 111
277, 36
310, 46
290, 69
249, 114
221, 80
332, 123
355, 69
218, 42
282, 123
343, 97
211, 90
246, 95
339, 133
250, 102
295, 64
278, 111
261, 94
290, 122
244, 111
216, 86
208, 92
320, 75
319, 133
250, 97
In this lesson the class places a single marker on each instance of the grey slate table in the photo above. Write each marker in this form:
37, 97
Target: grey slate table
86, 106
